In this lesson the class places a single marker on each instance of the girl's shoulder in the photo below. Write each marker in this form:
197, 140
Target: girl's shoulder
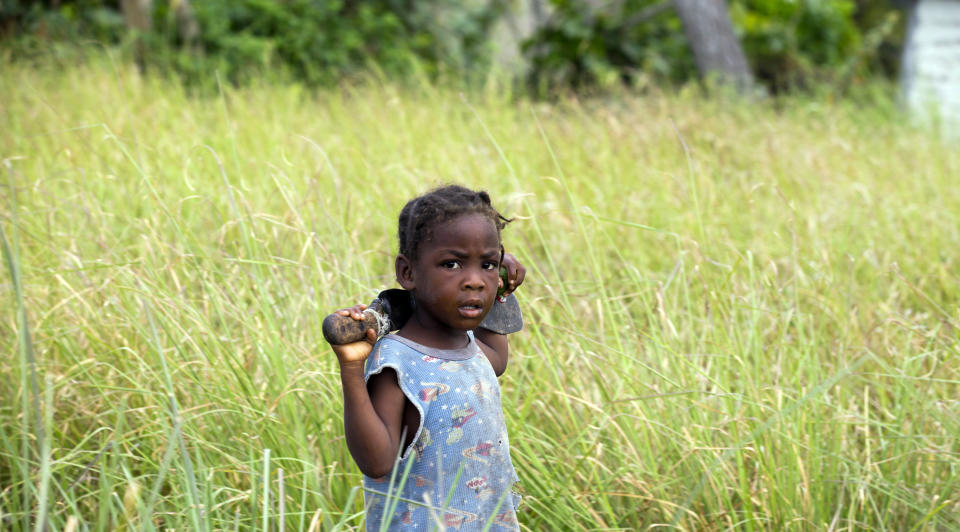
402, 353
399, 344
413, 361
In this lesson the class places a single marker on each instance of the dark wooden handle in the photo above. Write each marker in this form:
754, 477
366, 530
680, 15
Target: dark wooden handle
340, 330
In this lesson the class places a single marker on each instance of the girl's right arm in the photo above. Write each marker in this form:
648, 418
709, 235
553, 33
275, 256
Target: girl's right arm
372, 412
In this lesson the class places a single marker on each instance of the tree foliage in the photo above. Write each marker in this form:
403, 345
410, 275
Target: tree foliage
793, 43
578, 46
315, 41
789, 43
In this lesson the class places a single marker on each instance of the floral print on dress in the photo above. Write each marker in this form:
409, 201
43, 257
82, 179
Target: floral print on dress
481, 389
506, 519
432, 390
460, 455
481, 452
480, 486
457, 520
422, 442
460, 418
451, 366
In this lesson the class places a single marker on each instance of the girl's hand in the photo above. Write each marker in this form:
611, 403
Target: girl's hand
357, 352
515, 273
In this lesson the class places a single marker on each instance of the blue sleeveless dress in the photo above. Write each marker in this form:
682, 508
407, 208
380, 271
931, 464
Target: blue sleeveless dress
460, 474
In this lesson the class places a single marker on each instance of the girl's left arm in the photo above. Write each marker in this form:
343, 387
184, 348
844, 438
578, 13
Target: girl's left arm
495, 345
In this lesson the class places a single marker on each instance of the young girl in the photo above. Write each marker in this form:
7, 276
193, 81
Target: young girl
429, 392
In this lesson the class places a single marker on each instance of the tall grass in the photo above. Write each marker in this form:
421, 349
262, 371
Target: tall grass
739, 314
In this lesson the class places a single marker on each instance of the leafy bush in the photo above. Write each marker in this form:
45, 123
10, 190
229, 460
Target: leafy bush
789, 43
580, 47
315, 41
29, 24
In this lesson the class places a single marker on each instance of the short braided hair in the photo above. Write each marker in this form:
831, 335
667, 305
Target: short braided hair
421, 214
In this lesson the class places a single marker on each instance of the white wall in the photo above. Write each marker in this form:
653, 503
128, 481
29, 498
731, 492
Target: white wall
931, 62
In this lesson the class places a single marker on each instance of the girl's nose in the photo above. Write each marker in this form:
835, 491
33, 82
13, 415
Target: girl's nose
473, 279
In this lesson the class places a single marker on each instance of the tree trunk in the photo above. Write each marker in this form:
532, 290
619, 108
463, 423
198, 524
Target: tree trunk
137, 14
716, 49
187, 26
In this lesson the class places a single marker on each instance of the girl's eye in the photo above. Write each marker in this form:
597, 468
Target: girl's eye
450, 265
490, 265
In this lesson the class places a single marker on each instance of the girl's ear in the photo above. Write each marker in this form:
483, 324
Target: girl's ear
404, 270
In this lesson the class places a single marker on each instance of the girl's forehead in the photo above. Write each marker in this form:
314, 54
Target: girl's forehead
467, 229
470, 219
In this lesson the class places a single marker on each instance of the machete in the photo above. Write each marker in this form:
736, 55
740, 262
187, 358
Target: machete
392, 308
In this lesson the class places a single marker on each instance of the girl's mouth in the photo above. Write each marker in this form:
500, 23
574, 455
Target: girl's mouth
471, 311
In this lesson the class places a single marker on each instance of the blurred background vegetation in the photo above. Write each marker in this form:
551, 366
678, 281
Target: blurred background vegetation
743, 312
544, 45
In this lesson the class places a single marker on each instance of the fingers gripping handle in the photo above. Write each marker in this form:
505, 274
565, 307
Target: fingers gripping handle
341, 330
392, 308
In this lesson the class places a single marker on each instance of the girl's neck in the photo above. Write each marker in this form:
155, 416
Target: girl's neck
433, 337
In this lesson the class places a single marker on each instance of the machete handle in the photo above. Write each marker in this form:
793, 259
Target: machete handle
392, 308
340, 330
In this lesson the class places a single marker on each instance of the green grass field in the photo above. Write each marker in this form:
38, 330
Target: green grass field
739, 315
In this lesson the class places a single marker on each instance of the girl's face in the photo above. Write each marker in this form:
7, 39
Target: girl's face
456, 274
